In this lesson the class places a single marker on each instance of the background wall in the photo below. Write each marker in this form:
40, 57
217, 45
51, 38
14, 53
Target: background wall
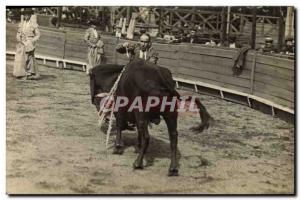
271, 78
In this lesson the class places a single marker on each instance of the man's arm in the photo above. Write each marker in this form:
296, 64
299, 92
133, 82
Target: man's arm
121, 48
87, 38
37, 33
18, 37
154, 56
100, 46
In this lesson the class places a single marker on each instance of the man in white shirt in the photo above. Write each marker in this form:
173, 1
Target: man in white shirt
95, 46
28, 34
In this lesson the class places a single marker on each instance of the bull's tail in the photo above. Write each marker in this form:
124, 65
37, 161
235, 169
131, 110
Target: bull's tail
206, 119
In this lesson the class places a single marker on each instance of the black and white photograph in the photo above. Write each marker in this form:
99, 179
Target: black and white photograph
150, 100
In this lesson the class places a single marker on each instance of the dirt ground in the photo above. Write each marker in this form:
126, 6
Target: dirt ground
54, 146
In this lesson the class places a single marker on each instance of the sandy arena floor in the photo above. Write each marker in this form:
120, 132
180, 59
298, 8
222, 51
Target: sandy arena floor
54, 146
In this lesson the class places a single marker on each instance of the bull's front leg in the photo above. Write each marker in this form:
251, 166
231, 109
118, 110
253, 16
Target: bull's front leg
139, 143
171, 121
143, 138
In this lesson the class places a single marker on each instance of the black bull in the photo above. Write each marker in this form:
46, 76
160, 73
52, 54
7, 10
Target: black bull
142, 79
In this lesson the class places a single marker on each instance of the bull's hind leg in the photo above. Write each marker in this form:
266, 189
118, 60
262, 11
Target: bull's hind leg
171, 121
119, 144
206, 119
142, 126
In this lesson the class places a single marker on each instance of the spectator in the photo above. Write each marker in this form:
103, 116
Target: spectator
142, 50
168, 35
118, 31
268, 47
232, 42
191, 38
197, 27
27, 36
211, 42
143, 31
289, 47
95, 46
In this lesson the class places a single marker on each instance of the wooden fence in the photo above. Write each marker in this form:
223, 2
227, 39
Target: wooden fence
267, 79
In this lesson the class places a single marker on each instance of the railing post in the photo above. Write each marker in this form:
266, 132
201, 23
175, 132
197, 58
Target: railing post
161, 20
253, 30
223, 26
253, 72
280, 30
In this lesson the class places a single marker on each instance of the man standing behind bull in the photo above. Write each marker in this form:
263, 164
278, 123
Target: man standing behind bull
95, 46
28, 34
142, 50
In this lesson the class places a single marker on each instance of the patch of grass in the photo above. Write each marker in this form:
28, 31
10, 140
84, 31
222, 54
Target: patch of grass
47, 185
82, 190
97, 181
25, 110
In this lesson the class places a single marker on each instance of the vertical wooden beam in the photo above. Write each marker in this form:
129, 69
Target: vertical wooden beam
112, 16
253, 73
289, 22
103, 16
228, 21
223, 25
263, 26
171, 18
80, 14
59, 13
280, 29
241, 24
148, 22
128, 14
193, 13
65, 41
253, 29
161, 21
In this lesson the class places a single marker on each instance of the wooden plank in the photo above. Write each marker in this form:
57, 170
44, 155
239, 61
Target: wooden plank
274, 91
167, 54
274, 61
215, 77
76, 54
52, 40
276, 82
52, 33
109, 40
276, 72
12, 40
77, 43
212, 51
275, 99
76, 58
237, 92
51, 46
166, 47
172, 69
201, 58
49, 53
169, 62
75, 47
211, 68
215, 83
109, 48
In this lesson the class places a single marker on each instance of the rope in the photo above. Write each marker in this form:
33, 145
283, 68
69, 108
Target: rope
109, 126
102, 114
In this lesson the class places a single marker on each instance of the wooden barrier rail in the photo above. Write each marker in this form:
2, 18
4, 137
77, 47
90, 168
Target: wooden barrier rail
266, 79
